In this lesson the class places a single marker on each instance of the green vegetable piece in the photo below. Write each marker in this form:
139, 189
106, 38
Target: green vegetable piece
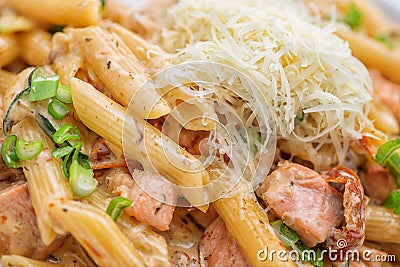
393, 201
81, 180
386, 150
28, 151
8, 154
43, 87
116, 206
61, 152
385, 40
66, 132
64, 94
72, 155
57, 109
353, 16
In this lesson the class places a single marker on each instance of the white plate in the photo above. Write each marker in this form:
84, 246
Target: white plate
391, 8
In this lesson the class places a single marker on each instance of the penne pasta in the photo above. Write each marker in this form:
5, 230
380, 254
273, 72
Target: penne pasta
379, 218
44, 176
151, 55
154, 59
12, 24
383, 117
249, 226
119, 70
95, 231
19, 84
373, 54
77, 13
6, 80
9, 49
107, 118
35, 47
149, 245
20, 261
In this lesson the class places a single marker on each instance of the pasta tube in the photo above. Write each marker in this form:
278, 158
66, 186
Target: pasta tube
383, 117
77, 13
106, 118
154, 60
382, 225
373, 54
150, 245
20, 261
44, 176
6, 80
120, 71
12, 24
249, 226
95, 231
35, 47
9, 49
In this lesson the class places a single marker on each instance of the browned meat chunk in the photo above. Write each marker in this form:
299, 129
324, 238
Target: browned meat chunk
19, 233
304, 201
144, 207
355, 205
218, 248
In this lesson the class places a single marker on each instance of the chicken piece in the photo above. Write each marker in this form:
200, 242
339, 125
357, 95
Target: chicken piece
304, 201
19, 233
144, 207
218, 248
355, 206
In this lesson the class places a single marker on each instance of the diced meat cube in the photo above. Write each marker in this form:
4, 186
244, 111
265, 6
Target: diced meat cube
19, 233
144, 207
304, 200
218, 248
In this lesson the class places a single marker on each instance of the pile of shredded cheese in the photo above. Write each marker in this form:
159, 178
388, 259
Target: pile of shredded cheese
317, 92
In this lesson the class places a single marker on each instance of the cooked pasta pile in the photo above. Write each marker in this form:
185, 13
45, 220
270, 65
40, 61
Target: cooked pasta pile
198, 133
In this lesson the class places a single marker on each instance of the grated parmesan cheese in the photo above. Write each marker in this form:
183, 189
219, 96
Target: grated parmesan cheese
301, 68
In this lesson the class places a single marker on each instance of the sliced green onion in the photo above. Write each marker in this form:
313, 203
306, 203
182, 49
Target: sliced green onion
56, 28
290, 238
61, 152
73, 155
393, 201
393, 164
43, 87
64, 94
299, 118
286, 240
116, 206
46, 125
28, 151
83, 161
66, 132
8, 154
353, 16
81, 180
386, 150
103, 3
385, 40
57, 109
289, 233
